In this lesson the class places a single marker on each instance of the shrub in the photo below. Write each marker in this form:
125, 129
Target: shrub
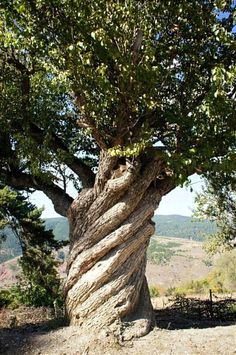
40, 284
225, 269
10, 297
154, 291
208, 262
199, 286
175, 291
4, 298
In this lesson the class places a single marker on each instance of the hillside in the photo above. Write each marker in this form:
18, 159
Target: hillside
183, 227
10, 247
171, 261
170, 226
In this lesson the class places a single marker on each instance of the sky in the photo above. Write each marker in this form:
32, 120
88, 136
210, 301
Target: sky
179, 201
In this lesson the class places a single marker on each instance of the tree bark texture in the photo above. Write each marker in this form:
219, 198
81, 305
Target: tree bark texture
110, 229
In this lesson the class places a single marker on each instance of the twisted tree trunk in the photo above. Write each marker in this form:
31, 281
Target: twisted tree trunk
110, 230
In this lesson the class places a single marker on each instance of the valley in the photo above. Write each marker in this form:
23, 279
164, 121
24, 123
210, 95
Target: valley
171, 261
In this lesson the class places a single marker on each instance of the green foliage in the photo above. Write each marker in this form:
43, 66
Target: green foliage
225, 267
40, 284
136, 74
197, 287
217, 202
4, 298
10, 297
221, 279
172, 291
208, 262
154, 291
30, 294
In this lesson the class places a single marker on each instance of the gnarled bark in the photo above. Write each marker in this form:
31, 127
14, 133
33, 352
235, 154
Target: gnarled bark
110, 231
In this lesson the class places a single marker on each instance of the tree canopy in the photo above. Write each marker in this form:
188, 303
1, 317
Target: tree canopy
133, 78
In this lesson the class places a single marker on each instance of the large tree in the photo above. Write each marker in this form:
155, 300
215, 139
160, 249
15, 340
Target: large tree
126, 99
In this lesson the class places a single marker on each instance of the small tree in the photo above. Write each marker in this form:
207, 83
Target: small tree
217, 202
40, 284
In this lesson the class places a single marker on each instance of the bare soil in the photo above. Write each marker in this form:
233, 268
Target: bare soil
34, 331
189, 263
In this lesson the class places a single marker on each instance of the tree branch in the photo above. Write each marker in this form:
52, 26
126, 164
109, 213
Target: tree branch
22, 181
75, 164
88, 124
137, 46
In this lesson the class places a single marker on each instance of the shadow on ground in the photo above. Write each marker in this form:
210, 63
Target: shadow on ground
15, 340
182, 313
185, 313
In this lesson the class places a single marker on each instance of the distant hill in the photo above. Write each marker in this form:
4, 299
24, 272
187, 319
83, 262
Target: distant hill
171, 261
9, 245
183, 227
59, 226
174, 261
170, 226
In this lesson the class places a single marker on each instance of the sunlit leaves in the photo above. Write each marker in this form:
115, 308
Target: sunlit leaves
132, 150
177, 89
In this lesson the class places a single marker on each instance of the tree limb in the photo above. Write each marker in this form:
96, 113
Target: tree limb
75, 164
86, 122
137, 46
22, 181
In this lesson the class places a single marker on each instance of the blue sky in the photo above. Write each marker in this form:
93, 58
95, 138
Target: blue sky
179, 201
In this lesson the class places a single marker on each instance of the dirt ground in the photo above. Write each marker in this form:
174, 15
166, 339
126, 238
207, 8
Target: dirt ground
33, 331
187, 264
